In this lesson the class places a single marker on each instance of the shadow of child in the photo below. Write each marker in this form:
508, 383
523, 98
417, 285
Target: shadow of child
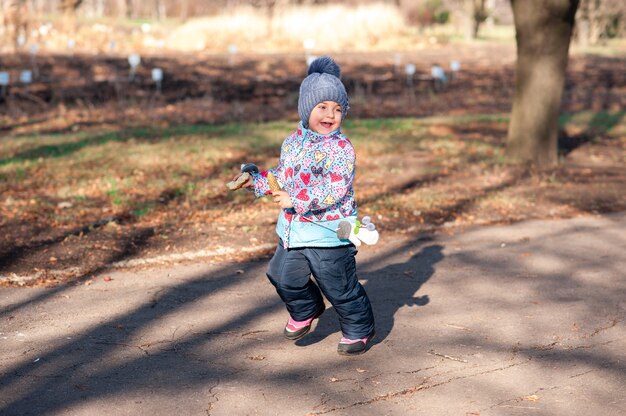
389, 289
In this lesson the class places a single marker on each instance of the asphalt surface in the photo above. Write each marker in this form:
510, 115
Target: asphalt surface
525, 319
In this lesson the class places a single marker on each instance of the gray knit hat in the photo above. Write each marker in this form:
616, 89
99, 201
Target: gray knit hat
322, 84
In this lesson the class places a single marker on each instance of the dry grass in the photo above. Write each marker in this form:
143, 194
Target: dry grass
88, 198
331, 28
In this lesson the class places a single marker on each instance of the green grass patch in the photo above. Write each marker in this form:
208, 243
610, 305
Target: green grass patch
143, 210
137, 170
592, 124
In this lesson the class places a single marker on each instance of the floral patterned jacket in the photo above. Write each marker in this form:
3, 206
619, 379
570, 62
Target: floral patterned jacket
317, 172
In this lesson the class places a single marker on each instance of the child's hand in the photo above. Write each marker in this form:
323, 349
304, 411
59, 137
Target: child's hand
247, 184
282, 199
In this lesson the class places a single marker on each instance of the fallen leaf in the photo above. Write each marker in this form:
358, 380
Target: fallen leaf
107, 278
333, 379
360, 370
462, 328
532, 398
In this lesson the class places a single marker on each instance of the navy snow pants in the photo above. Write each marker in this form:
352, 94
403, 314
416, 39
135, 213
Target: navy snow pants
334, 270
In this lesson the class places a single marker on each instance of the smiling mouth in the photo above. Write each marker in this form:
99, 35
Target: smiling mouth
326, 124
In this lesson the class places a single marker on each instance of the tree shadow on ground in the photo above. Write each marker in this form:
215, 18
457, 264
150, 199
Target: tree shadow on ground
27, 242
63, 364
600, 124
150, 134
130, 245
73, 370
381, 286
135, 360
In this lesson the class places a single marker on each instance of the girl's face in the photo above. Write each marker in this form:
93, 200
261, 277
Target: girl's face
325, 117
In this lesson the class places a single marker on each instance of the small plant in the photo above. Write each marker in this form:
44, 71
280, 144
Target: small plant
114, 193
143, 210
20, 174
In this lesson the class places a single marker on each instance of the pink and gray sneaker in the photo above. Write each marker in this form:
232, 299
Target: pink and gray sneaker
354, 346
295, 330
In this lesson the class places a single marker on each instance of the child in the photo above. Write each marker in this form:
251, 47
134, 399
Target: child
315, 171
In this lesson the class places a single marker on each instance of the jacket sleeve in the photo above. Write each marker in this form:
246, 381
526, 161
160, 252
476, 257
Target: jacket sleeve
261, 187
337, 175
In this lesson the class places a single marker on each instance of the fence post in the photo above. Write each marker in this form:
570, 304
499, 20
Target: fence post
133, 60
5, 78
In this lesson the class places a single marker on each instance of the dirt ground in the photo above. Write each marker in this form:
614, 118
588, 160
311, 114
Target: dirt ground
87, 90
93, 93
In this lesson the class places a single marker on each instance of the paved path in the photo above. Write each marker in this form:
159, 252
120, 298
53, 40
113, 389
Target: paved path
526, 319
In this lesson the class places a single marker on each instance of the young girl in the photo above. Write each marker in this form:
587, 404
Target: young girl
316, 171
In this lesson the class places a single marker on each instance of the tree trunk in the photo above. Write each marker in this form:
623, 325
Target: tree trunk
184, 9
543, 32
467, 16
490, 6
596, 26
121, 8
159, 12
130, 9
480, 15
100, 8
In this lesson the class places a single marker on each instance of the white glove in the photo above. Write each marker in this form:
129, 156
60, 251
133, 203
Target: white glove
363, 231
353, 238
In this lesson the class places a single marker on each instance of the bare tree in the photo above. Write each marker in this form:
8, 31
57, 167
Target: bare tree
270, 7
160, 12
543, 29
131, 10
184, 9
94, 8
479, 16
473, 13
17, 21
599, 18
70, 6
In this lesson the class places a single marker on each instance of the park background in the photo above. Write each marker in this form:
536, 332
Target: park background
122, 120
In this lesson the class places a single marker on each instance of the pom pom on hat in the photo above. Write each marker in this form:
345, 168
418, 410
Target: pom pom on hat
325, 65
322, 84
